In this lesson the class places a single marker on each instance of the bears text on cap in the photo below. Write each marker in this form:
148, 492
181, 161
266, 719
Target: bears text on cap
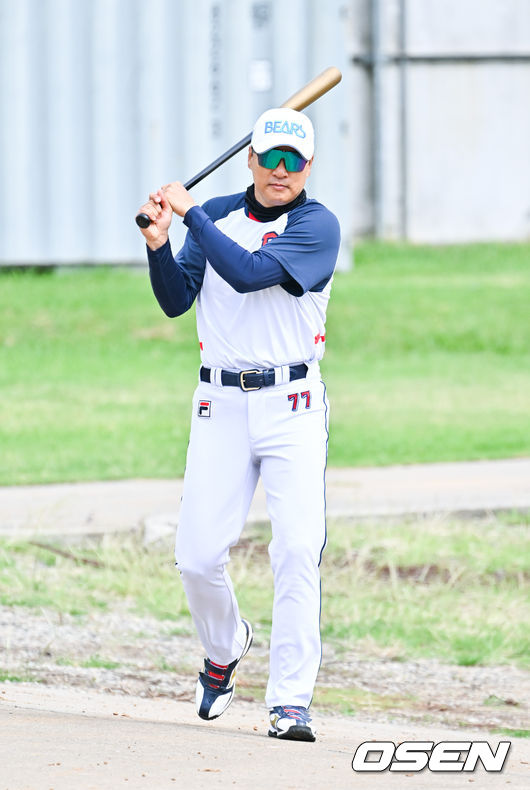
284, 127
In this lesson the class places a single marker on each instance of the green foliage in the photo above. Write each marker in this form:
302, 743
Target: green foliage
427, 359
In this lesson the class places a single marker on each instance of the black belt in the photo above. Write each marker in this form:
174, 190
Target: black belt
253, 379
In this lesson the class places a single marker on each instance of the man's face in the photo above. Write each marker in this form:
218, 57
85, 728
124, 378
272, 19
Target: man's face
276, 187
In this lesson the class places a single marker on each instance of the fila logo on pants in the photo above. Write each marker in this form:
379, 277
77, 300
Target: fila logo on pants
205, 408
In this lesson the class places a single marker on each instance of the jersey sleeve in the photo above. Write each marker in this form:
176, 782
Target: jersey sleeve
307, 249
301, 259
177, 280
245, 271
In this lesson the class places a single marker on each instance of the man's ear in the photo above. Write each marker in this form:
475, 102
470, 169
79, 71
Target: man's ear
250, 152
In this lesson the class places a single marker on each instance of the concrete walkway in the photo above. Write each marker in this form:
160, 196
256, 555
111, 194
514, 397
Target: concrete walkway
75, 509
69, 738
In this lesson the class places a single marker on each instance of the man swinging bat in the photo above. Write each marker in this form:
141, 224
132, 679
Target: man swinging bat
260, 264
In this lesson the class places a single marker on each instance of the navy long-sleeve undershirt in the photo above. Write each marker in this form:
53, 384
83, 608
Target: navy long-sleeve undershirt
174, 289
245, 271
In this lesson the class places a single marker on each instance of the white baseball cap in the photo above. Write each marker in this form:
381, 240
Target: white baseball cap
283, 126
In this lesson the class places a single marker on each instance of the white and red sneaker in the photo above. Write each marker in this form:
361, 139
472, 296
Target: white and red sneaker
291, 723
216, 685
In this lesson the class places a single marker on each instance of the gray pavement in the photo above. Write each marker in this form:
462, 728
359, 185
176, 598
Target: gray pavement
76, 509
71, 738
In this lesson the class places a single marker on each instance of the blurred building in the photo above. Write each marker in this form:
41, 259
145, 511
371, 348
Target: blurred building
443, 91
427, 137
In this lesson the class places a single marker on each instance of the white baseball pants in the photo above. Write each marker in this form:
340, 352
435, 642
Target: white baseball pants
281, 433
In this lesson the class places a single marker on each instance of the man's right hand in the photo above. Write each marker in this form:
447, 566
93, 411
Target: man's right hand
160, 213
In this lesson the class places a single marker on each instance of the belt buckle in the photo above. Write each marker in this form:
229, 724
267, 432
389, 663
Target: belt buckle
242, 383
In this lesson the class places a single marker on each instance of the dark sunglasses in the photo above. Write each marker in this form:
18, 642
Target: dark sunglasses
294, 163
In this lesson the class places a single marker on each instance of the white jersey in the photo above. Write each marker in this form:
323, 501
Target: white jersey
264, 328
251, 325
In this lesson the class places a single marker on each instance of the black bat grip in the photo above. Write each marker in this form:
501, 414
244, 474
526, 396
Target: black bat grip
143, 221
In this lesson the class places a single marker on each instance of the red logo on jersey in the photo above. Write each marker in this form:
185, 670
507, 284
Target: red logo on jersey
268, 236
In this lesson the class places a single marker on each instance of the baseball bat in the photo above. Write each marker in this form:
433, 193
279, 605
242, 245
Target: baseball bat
314, 89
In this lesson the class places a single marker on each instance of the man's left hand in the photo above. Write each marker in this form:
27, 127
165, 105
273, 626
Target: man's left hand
178, 198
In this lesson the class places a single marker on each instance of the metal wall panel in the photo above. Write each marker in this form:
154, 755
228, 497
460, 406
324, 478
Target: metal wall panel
468, 121
445, 156
469, 174
105, 100
102, 101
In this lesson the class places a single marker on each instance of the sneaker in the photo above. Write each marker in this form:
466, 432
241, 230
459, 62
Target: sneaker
216, 685
291, 723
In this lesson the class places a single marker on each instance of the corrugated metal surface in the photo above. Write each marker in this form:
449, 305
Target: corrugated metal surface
103, 100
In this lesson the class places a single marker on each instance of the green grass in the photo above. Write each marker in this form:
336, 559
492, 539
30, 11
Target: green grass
148, 580
457, 591
348, 700
436, 342
513, 733
428, 353
97, 662
9, 677
93, 662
